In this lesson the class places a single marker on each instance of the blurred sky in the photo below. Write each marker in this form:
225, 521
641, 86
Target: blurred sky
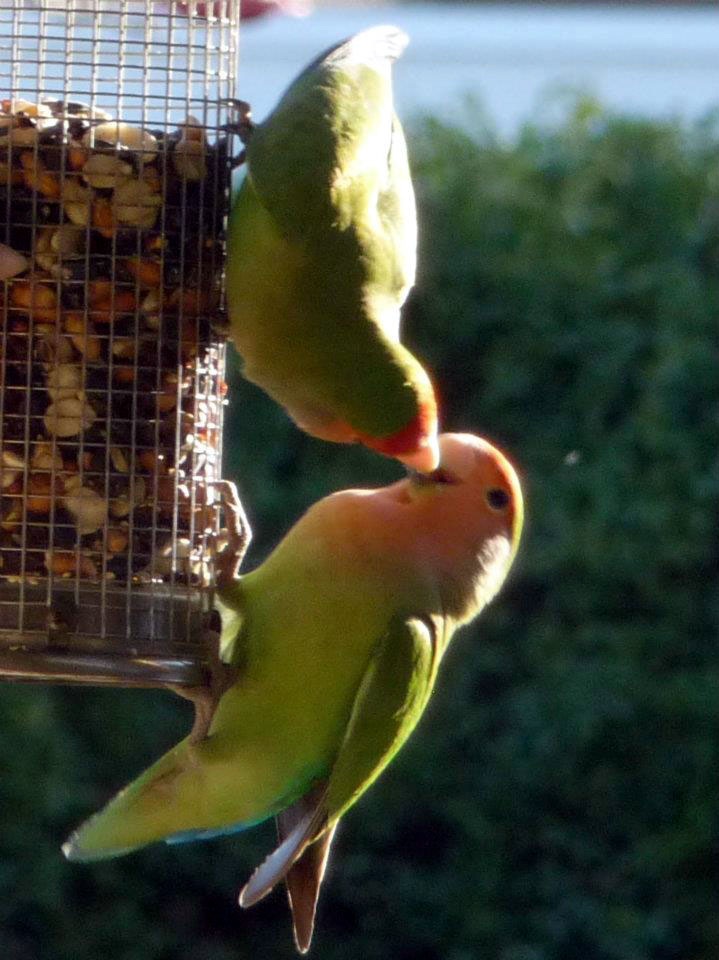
652, 60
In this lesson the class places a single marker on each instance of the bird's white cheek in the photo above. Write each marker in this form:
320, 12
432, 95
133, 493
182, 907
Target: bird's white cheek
492, 562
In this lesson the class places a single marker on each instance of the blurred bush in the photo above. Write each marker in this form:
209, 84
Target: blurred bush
560, 798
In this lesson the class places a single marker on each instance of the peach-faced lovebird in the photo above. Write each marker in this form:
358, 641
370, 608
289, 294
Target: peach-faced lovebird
321, 254
335, 641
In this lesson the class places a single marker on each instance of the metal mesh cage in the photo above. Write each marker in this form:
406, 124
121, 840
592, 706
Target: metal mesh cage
114, 187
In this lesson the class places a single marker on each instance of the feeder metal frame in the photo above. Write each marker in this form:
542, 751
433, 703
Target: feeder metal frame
152, 66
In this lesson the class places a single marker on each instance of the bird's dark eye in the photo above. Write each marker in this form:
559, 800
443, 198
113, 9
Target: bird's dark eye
497, 498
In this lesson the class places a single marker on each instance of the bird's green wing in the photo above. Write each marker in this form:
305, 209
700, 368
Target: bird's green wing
390, 699
395, 228
309, 160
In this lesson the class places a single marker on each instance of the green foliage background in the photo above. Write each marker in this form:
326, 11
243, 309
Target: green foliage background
560, 799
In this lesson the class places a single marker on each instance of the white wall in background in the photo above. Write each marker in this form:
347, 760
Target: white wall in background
655, 61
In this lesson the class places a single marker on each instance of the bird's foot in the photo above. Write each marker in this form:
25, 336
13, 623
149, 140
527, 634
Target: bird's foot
242, 126
227, 566
238, 160
238, 532
206, 698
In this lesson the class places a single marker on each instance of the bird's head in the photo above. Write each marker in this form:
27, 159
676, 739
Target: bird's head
478, 480
471, 507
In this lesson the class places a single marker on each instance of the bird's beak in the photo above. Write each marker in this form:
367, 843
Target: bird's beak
419, 481
425, 459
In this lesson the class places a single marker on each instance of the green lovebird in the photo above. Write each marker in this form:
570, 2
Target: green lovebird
321, 253
335, 639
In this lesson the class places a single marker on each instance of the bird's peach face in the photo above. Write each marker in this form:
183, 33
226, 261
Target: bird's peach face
474, 471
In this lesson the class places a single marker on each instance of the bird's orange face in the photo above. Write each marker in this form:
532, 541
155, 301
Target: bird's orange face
479, 481
468, 515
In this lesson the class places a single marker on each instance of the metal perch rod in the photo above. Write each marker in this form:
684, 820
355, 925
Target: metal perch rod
101, 669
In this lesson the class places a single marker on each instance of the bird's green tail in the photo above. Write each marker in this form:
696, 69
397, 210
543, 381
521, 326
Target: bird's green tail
161, 802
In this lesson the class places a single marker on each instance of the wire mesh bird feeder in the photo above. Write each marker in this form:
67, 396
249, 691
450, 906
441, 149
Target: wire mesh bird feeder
114, 188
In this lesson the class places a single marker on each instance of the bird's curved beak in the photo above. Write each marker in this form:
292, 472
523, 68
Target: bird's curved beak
425, 459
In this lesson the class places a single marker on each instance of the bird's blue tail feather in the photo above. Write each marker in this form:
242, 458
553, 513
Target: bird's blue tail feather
188, 836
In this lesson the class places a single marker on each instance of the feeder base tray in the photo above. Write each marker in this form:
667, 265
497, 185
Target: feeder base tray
94, 635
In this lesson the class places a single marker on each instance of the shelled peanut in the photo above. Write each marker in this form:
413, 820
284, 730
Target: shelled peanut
111, 375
